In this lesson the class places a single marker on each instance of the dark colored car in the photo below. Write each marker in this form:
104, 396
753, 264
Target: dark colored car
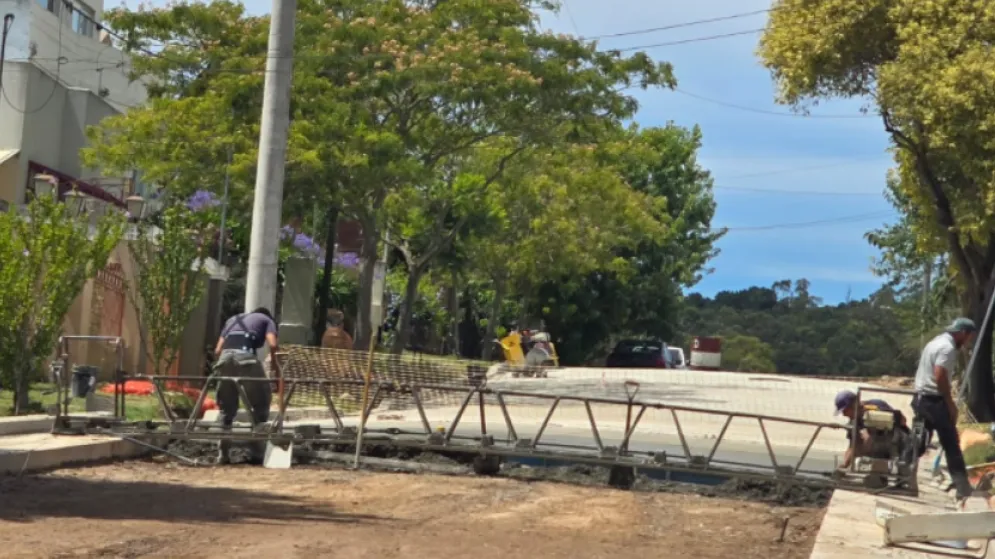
640, 354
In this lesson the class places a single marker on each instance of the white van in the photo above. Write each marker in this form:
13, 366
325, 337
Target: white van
676, 355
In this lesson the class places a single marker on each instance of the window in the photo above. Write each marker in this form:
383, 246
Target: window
49, 5
82, 19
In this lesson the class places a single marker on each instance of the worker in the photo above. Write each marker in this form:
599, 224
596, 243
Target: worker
847, 406
335, 336
242, 336
934, 401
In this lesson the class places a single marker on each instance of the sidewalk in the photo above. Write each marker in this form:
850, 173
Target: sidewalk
850, 529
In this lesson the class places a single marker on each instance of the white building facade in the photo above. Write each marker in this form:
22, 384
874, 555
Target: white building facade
61, 75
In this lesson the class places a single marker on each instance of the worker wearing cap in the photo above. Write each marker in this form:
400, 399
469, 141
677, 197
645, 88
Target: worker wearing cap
242, 336
846, 405
934, 400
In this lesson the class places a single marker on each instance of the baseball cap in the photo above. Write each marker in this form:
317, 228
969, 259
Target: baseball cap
961, 325
844, 399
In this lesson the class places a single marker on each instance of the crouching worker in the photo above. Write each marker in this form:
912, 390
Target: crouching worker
871, 445
242, 336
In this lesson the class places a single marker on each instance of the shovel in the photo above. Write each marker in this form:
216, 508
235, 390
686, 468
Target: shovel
278, 455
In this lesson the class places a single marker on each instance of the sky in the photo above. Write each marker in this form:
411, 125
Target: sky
828, 168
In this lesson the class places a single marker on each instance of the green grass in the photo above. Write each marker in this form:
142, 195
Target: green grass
43, 396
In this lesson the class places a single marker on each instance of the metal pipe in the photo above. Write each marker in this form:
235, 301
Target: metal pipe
718, 441
421, 411
628, 432
770, 449
545, 422
594, 426
459, 414
507, 418
680, 433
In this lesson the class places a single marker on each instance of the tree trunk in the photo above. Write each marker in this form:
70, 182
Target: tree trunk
364, 326
403, 331
492, 321
22, 385
454, 317
325, 285
981, 386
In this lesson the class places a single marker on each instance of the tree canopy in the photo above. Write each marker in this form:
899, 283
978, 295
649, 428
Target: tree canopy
926, 69
391, 101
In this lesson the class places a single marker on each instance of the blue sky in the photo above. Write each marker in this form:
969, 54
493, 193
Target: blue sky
801, 158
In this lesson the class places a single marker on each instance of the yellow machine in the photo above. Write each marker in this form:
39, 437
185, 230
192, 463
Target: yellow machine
540, 356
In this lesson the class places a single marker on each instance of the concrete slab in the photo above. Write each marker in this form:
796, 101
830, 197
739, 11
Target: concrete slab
25, 424
42, 451
850, 528
38, 423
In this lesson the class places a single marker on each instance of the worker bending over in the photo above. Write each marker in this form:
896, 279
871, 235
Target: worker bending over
934, 401
242, 336
848, 406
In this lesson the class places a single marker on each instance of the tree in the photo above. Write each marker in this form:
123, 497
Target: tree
423, 85
384, 95
587, 310
169, 253
46, 258
747, 354
553, 215
926, 68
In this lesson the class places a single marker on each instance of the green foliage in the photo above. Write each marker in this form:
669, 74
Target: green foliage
169, 255
927, 69
748, 354
46, 258
640, 292
764, 332
390, 102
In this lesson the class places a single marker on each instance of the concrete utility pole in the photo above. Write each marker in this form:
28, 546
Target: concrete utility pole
267, 208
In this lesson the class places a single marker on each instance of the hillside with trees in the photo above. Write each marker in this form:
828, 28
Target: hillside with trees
783, 328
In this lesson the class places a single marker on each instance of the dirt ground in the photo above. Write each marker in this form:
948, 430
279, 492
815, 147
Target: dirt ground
145, 509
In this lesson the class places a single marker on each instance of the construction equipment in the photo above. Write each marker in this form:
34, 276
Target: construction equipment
528, 356
651, 456
890, 458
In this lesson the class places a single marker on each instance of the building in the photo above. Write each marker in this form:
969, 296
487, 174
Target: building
61, 75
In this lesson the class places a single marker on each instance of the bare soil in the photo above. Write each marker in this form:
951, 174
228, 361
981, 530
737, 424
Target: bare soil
147, 508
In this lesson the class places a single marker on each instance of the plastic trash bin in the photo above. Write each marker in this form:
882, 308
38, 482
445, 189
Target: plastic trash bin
83, 380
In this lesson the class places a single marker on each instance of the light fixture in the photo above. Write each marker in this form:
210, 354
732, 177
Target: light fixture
135, 205
45, 185
75, 203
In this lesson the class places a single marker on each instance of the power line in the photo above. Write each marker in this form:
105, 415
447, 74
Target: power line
675, 25
691, 40
55, 81
807, 224
765, 111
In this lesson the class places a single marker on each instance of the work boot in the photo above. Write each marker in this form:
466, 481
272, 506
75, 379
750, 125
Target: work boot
224, 452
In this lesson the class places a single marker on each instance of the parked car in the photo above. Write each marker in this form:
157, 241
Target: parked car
640, 354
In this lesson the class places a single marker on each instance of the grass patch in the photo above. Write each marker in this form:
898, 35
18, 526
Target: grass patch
43, 397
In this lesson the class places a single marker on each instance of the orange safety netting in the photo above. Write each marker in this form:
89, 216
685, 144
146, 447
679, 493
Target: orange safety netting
145, 388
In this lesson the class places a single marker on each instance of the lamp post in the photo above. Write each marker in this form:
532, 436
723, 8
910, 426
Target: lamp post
136, 207
75, 203
44, 185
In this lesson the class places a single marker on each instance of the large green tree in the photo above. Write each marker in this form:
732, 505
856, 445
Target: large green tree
385, 94
556, 214
586, 311
926, 68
